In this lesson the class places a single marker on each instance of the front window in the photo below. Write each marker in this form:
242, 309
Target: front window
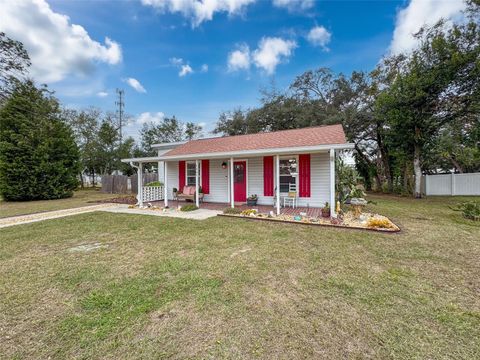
191, 174
288, 173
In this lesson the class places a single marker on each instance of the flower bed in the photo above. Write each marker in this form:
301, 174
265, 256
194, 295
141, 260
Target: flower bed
366, 221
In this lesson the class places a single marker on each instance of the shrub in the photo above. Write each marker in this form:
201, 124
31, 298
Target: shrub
39, 159
380, 223
189, 207
470, 210
356, 192
154, 183
234, 211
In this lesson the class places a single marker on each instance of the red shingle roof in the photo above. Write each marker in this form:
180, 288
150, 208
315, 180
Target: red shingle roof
312, 136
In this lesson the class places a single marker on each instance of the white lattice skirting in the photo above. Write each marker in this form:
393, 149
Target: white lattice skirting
152, 193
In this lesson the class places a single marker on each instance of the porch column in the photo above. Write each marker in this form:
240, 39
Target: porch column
197, 186
165, 184
277, 182
158, 171
140, 184
232, 194
333, 214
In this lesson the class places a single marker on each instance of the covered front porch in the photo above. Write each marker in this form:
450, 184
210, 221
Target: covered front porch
263, 209
227, 182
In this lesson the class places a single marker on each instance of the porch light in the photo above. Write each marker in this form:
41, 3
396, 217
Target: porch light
224, 165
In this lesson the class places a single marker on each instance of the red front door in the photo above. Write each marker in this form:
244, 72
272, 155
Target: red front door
240, 181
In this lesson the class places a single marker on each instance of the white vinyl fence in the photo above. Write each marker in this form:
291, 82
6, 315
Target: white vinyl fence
452, 184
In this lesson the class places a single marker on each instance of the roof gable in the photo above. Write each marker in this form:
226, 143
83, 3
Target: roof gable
312, 136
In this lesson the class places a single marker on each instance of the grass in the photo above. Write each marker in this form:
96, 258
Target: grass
226, 288
79, 199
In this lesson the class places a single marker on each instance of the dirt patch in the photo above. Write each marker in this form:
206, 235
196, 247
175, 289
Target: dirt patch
238, 252
88, 247
130, 200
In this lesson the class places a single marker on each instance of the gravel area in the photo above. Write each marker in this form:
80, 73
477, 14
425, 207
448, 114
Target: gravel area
25, 219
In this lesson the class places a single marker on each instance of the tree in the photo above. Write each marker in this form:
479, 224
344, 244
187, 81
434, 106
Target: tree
38, 154
128, 149
439, 85
108, 151
98, 139
168, 130
232, 123
14, 63
85, 128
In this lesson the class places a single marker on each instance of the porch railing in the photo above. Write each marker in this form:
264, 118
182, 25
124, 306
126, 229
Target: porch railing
152, 193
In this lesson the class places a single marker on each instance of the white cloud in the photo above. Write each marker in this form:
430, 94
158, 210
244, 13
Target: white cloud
56, 47
184, 67
204, 68
135, 84
185, 70
102, 94
199, 11
319, 36
239, 59
418, 13
148, 117
294, 5
176, 61
271, 52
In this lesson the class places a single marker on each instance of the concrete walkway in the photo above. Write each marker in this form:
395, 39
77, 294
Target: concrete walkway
25, 219
200, 214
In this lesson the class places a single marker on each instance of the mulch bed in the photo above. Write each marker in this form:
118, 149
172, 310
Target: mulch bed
338, 226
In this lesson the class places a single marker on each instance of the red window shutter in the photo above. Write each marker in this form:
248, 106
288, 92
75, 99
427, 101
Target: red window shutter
206, 176
268, 176
181, 175
304, 175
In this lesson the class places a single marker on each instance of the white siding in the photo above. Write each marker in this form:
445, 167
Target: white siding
218, 182
160, 171
172, 177
255, 181
320, 182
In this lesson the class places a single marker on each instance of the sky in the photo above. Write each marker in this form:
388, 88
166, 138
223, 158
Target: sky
194, 59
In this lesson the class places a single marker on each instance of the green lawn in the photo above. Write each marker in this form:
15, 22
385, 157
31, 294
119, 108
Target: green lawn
235, 289
79, 199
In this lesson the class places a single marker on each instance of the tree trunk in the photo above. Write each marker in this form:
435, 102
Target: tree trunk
457, 165
385, 160
82, 185
378, 180
417, 168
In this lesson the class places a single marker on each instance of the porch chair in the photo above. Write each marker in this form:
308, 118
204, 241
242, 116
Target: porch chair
291, 198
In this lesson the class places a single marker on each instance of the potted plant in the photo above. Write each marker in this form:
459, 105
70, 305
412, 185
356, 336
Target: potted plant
326, 210
252, 200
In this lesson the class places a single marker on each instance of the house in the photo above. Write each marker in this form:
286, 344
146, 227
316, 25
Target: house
229, 169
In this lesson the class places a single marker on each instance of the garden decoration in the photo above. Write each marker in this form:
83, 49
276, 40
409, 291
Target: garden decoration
252, 200
326, 210
358, 204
